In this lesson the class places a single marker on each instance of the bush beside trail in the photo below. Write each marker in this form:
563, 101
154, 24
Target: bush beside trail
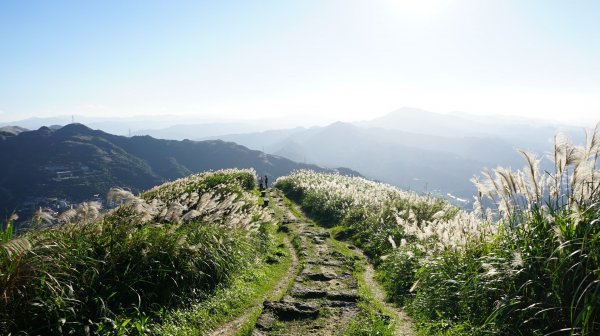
93, 272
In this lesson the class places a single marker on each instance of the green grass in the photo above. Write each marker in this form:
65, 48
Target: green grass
107, 271
369, 323
118, 274
537, 274
247, 291
293, 208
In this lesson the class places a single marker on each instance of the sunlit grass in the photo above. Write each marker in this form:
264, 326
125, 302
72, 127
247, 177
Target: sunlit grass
247, 290
533, 272
114, 272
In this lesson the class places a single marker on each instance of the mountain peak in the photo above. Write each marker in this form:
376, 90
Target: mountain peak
340, 125
74, 128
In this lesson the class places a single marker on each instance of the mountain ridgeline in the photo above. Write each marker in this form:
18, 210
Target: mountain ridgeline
412, 161
75, 163
412, 148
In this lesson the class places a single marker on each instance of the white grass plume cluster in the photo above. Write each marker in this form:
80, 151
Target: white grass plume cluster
82, 213
344, 192
191, 198
448, 227
182, 200
574, 183
441, 233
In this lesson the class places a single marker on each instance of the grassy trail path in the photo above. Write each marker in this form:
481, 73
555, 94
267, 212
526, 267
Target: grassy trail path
328, 286
327, 293
324, 295
244, 324
404, 325
234, 327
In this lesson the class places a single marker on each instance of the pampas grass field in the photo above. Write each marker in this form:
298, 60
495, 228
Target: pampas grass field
92, 271
530, 265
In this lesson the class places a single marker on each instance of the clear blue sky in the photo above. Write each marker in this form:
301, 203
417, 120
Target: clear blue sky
318, 60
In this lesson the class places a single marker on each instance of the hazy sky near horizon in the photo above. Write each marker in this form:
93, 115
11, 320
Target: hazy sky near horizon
312, 60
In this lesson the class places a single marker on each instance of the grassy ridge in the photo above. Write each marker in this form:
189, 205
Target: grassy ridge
112, 273
534, 272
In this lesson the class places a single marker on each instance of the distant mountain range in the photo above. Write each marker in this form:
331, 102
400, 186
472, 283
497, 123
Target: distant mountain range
8, 131
411, 161
195, 130
172, 127
412, 148
525, 133
75, 163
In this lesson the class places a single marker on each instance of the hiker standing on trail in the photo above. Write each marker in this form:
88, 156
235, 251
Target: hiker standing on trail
266, 182
260, 183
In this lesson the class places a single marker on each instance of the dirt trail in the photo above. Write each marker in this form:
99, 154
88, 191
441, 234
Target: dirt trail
404, 324
324, 295
234, 326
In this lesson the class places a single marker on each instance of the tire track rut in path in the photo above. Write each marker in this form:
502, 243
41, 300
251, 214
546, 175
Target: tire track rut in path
404, 325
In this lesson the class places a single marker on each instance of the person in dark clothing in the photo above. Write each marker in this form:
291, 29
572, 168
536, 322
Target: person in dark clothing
266, 182
260, 183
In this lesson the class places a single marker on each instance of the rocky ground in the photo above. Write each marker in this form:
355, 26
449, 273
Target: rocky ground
323, 296
320, 295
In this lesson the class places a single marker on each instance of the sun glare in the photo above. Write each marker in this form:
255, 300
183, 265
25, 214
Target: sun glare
417, 10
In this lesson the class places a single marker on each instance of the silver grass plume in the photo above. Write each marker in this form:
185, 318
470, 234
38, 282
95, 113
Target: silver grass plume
17, 246
532, 169
174, 212
120, 196
67, 216
88, 211
45, 216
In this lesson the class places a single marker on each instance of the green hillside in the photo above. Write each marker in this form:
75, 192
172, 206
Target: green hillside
528, 266
75, 163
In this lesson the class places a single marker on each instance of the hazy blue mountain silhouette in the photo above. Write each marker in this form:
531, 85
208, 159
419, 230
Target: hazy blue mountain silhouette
412, 148
526, 133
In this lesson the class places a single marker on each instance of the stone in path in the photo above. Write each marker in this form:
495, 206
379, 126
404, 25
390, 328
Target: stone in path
323, 298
